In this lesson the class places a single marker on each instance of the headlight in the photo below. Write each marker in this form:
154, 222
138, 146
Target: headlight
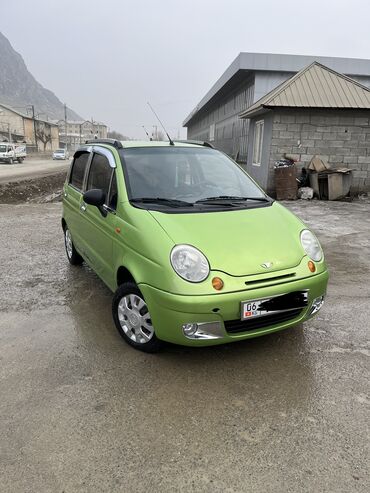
311, 245
189, 263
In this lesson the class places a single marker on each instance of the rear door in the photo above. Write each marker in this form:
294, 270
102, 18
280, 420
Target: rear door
72, 196
97, 228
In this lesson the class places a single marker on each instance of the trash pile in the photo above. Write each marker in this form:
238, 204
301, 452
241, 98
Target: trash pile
318, 180
284, 163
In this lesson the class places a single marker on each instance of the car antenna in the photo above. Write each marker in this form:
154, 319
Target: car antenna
145, 130
165, 131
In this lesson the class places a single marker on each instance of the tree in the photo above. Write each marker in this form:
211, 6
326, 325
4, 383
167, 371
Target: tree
116, 135
42, 134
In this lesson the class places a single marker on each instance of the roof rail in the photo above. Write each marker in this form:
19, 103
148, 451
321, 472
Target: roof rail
196, 142
114, 142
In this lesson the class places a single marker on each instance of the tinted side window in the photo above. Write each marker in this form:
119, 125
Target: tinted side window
113, 194
78, 170
99, 174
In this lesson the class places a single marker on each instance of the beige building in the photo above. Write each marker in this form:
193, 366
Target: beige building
80, 131
39, 135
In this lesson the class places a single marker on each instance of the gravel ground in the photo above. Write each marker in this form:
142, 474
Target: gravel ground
80, 411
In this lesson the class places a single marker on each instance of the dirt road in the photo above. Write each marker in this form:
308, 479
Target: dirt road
31, 168
80, 411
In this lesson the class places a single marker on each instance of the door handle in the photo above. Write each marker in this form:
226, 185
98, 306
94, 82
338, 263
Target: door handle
83, 207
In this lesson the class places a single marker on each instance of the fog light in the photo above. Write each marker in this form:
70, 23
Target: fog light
316, 305
189, 329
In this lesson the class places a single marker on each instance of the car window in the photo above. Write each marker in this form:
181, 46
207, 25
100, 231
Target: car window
113, 193
184, 173
78, 169
99, 174
214, 172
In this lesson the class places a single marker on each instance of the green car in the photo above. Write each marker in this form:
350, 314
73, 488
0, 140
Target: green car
194, 251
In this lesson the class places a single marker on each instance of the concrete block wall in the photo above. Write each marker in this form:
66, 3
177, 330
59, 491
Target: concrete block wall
341, 137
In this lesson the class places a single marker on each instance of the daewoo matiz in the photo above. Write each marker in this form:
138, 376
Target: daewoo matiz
195, 252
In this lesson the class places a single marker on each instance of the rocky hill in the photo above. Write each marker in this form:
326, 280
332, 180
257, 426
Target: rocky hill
18, 87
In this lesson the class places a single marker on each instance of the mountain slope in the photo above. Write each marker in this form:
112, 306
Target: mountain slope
18, 87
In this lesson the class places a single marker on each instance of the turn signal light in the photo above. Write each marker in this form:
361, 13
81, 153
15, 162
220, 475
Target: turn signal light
217, 283
311, 266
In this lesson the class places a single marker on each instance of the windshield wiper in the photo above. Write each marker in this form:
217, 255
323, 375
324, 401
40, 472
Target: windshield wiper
162, 200
230, 198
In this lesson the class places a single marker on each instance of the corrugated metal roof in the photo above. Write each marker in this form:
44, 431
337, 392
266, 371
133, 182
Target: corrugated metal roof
316, 86
271, 62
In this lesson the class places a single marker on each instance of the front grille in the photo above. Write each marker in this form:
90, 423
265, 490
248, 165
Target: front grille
235, 326
270, 279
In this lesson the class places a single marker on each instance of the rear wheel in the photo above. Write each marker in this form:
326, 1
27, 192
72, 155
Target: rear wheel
132, 318
73, 256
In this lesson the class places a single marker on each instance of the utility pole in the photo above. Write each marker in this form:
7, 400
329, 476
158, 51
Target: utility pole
34, 126
65, 123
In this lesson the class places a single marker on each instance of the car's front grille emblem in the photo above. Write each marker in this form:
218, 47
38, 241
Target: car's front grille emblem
267, 265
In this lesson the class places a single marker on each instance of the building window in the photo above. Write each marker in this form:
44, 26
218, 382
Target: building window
212, 132
257, 143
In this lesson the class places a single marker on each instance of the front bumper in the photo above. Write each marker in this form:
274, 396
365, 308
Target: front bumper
169, 312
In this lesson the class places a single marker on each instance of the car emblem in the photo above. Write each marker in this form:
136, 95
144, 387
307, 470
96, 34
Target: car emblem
267, 265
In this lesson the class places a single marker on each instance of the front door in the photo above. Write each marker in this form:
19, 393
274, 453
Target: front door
98, 227
72, 196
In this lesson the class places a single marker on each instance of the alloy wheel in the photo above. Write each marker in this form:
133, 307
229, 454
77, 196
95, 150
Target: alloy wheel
68, 243
134, 318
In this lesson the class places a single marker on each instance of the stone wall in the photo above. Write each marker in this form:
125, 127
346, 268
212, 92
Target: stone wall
341, 137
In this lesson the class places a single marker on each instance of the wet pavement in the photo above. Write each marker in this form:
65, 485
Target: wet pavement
80, 411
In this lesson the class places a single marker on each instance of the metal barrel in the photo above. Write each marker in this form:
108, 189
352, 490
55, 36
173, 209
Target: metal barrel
286, 183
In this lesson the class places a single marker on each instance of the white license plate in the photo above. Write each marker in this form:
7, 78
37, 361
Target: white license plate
251, 309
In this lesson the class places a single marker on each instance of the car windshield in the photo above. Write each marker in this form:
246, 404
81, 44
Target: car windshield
188, 174
59, 151
2, 148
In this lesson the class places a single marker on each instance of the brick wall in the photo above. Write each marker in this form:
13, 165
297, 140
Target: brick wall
341, 137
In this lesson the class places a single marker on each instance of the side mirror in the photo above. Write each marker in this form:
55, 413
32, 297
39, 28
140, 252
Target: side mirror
96, 197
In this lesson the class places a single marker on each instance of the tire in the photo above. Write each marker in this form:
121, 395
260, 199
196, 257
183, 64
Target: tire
19, 160
73, 256
132, 319
11, 160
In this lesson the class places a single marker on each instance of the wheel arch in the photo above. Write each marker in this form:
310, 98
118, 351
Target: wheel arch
124, 275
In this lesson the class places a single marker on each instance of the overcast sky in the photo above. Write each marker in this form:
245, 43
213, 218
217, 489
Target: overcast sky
107, 58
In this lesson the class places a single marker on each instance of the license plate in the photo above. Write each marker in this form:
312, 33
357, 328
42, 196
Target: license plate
252, 309
268, 306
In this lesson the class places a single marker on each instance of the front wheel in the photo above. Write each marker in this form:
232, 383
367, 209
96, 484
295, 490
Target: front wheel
11, 160
73, 256
132, 318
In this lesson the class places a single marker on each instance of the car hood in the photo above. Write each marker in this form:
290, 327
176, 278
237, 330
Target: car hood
239, 242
